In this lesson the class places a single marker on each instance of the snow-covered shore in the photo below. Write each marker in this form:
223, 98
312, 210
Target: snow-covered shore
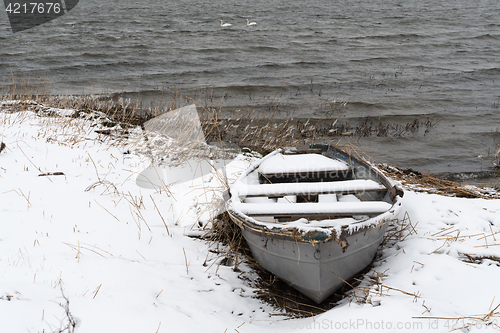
120, 254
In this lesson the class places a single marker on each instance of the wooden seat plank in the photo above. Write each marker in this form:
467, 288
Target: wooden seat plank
313, 209
284, 189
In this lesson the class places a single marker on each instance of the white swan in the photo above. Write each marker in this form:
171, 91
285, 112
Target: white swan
251, 23
225, 24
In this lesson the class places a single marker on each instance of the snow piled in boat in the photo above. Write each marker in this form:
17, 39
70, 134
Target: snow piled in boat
279, 164
329, 227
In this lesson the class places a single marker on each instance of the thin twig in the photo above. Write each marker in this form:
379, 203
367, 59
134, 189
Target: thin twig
165, 223
185, 258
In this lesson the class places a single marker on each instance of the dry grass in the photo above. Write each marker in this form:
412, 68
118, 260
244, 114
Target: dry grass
420, 182
467, 323
399, 230
256, 130
496, 156
35, 92
475, 259
426, 183
69, 323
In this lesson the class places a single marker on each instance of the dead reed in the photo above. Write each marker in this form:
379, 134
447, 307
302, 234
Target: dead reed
34, 93
467, 323
69, 323
399, 230
426, 183
256, 130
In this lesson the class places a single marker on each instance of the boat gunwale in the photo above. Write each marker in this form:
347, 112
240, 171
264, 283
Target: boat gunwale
315, 234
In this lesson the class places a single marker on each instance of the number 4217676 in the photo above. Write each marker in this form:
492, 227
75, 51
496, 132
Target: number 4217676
34, 8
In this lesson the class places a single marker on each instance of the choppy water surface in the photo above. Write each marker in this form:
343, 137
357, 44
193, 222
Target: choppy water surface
391, 60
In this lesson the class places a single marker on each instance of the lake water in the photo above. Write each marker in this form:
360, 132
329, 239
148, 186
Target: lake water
393, 60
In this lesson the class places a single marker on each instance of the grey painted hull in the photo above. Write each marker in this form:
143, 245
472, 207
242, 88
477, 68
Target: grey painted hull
316, 269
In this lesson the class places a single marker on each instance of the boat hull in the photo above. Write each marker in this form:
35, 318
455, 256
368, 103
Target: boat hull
317, 269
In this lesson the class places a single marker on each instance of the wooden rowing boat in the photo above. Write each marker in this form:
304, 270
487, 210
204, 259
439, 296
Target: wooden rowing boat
315, 217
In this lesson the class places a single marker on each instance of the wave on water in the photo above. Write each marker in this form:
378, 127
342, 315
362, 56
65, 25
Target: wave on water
486, 37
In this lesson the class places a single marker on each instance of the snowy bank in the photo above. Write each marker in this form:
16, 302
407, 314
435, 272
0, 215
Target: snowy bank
79, 240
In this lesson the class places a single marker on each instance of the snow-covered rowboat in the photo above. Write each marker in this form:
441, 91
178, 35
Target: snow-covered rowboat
314, 218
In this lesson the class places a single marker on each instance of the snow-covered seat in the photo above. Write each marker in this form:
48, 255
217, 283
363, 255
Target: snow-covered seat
301, 164
313, 209
286, 189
